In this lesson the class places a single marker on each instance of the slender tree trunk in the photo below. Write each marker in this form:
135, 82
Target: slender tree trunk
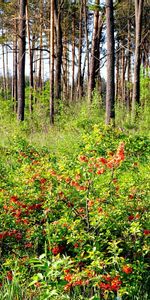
7, 74
21, 60
4, 71
138, 30
117, 72
59, 49
94, 60
110, 88
30, 62
41, 44
65, 65
80, 54
15, 69
87, 40
52, 64
73, 57
129, 69
123, 77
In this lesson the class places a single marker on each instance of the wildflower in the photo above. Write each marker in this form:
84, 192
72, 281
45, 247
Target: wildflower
102, 160
131, 217
105, 286
100, 209
100, 171
68, 277
127, 269
78, 282
18, 236
83, 158
58, 249
146, 231
28, 245
115, 284
9, 275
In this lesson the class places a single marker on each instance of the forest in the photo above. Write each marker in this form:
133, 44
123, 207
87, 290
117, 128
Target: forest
74, 149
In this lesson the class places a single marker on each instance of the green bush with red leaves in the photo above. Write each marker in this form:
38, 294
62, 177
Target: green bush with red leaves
76, 226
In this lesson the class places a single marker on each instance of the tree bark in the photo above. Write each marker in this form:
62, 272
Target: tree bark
73, 57
137, 60
87, 40
52, 64
30, 62
80, 54
59, 50
110, 88
21, 60
94, 59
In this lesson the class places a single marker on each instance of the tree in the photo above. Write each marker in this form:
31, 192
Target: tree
58, 15
21, 60
52, 64
94, 60
110, 88
137, 60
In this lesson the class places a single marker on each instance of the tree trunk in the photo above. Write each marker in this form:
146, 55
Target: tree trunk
65, 65
58, 52
15, 73
4, 71
30, 63
41, 44
52, 64
129, 69
94, 60
73, 57
21, 59
138, 30
117, 73
87, 40
110, 88
80, 54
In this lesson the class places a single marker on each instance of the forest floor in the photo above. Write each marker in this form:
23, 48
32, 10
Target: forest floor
74, 203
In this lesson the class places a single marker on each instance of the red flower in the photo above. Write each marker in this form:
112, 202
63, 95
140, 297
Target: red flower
78, 282
14, 199
115, 284
9, 275
43, 180
100, 209
100, 171
28, 245
146, 231
127, 269
131, 217
105, 286
68, 277
103, 160
2, 235
18, 236
58, 249
83, 158
107, 277
131, 196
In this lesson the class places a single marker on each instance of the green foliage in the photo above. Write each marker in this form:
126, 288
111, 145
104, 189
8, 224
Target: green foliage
74, 220
75, 225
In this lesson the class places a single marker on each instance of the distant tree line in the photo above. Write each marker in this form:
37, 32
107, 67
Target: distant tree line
74, 35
